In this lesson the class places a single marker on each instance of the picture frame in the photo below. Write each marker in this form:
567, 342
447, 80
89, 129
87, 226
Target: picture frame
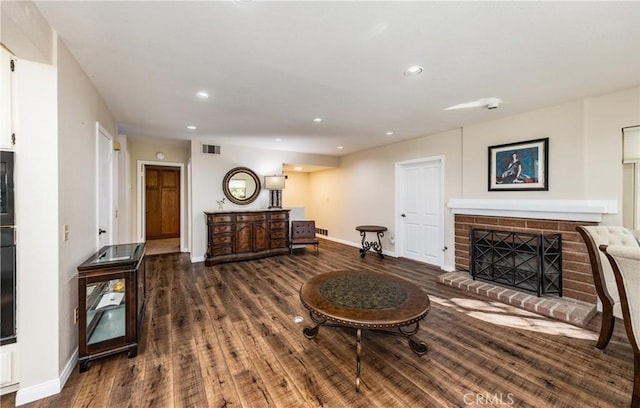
519, 166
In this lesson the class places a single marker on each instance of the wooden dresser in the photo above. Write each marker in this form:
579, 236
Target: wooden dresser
242, 235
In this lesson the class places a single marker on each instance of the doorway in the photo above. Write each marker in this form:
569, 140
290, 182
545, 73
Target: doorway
162, 202
104, 191
161, 221
419, 201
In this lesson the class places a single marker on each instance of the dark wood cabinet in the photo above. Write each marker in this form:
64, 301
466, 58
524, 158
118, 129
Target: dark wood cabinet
242, 235
112, 293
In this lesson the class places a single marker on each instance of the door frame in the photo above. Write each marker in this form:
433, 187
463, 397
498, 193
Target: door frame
141, 185
100, 130
399, 205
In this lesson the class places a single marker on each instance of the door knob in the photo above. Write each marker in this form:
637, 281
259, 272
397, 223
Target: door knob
403, 215
101, 231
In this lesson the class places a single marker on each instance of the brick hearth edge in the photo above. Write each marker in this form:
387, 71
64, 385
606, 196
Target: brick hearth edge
571, 311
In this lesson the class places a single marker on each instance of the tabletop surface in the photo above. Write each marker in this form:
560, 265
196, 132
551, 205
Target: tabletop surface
365, 299
371, 228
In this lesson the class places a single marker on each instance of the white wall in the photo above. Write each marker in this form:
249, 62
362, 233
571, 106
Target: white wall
605, 116
125, 193
563, 125
584, 164
362, 189
296, 191
585, 149
37, 227
208, 171
79, 107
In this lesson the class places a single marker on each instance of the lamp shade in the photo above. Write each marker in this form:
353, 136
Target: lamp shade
631, 144
274, 182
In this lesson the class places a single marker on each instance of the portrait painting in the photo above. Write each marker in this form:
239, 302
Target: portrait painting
519, 166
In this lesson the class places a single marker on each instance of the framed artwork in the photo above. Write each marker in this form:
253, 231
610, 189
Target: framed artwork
519, 166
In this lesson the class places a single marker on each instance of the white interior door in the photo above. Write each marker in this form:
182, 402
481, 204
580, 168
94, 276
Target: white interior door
5, 99
104, 228
420, 206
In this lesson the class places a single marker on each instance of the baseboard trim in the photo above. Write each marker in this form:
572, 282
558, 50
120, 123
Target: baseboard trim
195, 259
355, 245
38, 391
47, 388
68, 368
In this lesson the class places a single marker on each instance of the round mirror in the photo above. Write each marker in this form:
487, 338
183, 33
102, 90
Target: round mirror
241, 185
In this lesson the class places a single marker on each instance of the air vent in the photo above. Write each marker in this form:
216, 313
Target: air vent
210, 149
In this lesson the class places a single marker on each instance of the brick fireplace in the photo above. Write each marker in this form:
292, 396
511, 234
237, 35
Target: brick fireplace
577, 281
578, 301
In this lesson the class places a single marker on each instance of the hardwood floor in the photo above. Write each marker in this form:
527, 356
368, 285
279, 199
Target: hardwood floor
224, 336
162, 246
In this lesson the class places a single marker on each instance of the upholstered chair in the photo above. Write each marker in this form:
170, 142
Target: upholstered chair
603, 278
625, 263
303, 233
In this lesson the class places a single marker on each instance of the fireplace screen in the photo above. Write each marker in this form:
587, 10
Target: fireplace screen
530, 262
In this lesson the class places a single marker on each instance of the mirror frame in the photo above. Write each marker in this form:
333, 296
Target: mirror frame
229, 176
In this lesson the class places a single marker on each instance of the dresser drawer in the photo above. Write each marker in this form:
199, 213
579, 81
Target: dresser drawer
220, 218
278, 235
278, 225
221, 250
252, 217
278, 216
219, 229
278, 243
222, 239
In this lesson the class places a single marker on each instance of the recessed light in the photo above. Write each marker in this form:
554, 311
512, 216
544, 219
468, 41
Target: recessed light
191, 127
202, 95
389, 133
297, 168
414, 70
340, 147
278, 140
318, 120
245, 2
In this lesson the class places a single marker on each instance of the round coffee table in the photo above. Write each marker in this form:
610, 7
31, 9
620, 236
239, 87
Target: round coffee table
365, 300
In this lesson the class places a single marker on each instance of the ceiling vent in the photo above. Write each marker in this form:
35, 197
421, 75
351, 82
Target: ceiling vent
210, 149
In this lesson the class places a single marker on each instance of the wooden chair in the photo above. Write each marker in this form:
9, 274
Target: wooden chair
603, 278
303, 233
625, 262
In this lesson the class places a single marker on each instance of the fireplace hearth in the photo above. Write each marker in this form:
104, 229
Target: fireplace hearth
524, 261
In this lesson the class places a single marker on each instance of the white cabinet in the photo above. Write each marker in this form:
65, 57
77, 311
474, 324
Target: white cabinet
6, 100
8, 368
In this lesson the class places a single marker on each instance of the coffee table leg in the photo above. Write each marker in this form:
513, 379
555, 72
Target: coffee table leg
420, 348
312, 332
358, 353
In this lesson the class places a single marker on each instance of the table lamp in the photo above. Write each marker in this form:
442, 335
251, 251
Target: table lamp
274, 184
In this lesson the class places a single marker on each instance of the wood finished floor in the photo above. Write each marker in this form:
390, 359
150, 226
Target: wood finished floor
224, 336
162, 246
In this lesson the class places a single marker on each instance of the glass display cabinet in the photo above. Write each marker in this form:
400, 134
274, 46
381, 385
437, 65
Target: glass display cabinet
112, 291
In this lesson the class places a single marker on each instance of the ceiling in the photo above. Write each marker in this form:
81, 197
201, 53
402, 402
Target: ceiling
271, 67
